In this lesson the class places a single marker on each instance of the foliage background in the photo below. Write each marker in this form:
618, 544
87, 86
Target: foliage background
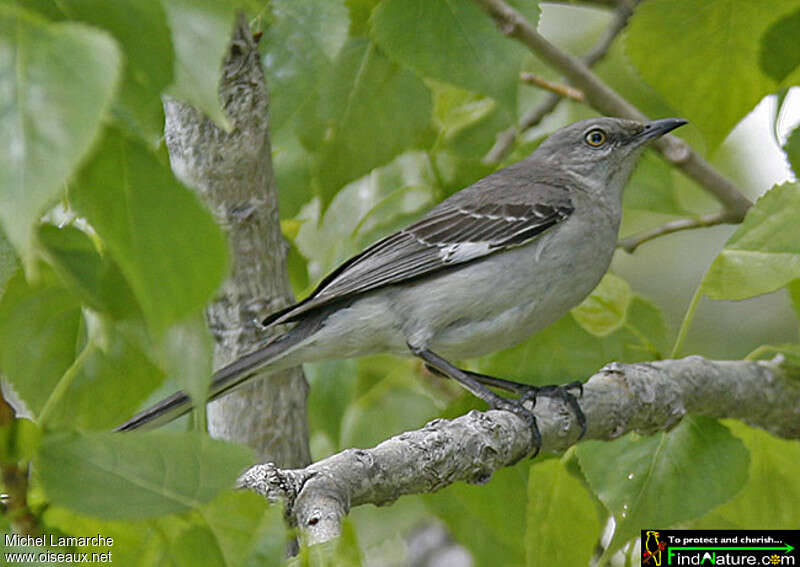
379, 110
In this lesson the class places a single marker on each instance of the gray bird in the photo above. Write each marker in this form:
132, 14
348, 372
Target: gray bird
482, 271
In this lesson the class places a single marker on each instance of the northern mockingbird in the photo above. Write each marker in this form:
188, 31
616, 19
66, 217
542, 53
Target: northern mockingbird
482, 271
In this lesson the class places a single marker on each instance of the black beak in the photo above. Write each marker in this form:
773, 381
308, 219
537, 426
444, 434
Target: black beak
658, 128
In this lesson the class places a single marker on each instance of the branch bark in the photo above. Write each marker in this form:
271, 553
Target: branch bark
232, 172
606, 100
645, 397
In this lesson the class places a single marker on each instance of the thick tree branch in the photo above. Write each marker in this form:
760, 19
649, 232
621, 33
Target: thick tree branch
606, 100
645, 397
232, 172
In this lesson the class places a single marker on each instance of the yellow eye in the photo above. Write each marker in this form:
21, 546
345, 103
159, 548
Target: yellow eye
595, 138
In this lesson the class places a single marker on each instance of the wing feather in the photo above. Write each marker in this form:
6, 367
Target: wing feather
448, 236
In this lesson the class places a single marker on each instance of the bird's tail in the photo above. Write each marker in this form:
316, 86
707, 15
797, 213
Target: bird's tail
224, 380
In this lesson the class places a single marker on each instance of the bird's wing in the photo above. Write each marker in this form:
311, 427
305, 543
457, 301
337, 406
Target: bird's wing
449, 235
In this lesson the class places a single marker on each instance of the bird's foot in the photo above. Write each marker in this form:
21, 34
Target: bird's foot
563, 393
517, 408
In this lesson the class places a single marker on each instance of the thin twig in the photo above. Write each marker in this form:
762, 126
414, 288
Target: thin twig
565, 91
644, 397
632, 242
618, 23
505, 139
606, 100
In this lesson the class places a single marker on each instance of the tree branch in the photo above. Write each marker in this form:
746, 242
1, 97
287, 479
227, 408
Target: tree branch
232, 172
565, 91
645, 397
506, 138
606, 100
632, 242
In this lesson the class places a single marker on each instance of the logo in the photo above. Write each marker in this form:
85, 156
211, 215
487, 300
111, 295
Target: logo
720, 547
652, 548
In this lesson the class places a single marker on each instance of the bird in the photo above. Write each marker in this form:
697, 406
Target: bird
482, 271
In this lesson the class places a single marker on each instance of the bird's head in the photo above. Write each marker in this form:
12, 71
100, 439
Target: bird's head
602, 150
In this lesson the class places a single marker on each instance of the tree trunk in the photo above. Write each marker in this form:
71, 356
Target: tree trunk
232, 172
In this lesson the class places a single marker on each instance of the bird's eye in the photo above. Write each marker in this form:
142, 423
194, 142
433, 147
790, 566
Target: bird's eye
595, 138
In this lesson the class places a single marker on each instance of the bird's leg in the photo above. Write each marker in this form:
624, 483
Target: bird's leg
530, 392
441, 366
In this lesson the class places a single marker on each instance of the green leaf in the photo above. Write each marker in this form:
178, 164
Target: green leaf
764, 253
135, 543
557, 499
384, 534
111, 379
333, 389
56, 82
399, 208
137, 475
201, 32
185, 352
564, 351
341, 552
96, 279
360, 12
771, 496
166, 243
454, 173
224, 532
467, 122
301, 42
8, 261
45, 8
712, 46
19, 441
292, 167
615, 69
452, 41
395, 404
785, 356
666, 478
148, 64
794, 296
362, 211
647, 324
652, 187
792, 149
489, 520
606, 308
778, 53
39, 332
366, 98
271, 539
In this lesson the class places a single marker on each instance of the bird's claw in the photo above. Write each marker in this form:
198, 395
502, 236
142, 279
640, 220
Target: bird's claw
517, 408
563, 393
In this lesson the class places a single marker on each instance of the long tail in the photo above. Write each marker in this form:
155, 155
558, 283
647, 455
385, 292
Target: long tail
224, 380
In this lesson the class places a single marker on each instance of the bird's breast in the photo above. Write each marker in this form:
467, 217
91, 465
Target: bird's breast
502, 300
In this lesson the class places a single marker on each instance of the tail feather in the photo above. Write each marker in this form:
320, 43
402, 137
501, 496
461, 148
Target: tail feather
224, 380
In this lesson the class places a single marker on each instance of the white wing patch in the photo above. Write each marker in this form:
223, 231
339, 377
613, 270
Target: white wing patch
463, 252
